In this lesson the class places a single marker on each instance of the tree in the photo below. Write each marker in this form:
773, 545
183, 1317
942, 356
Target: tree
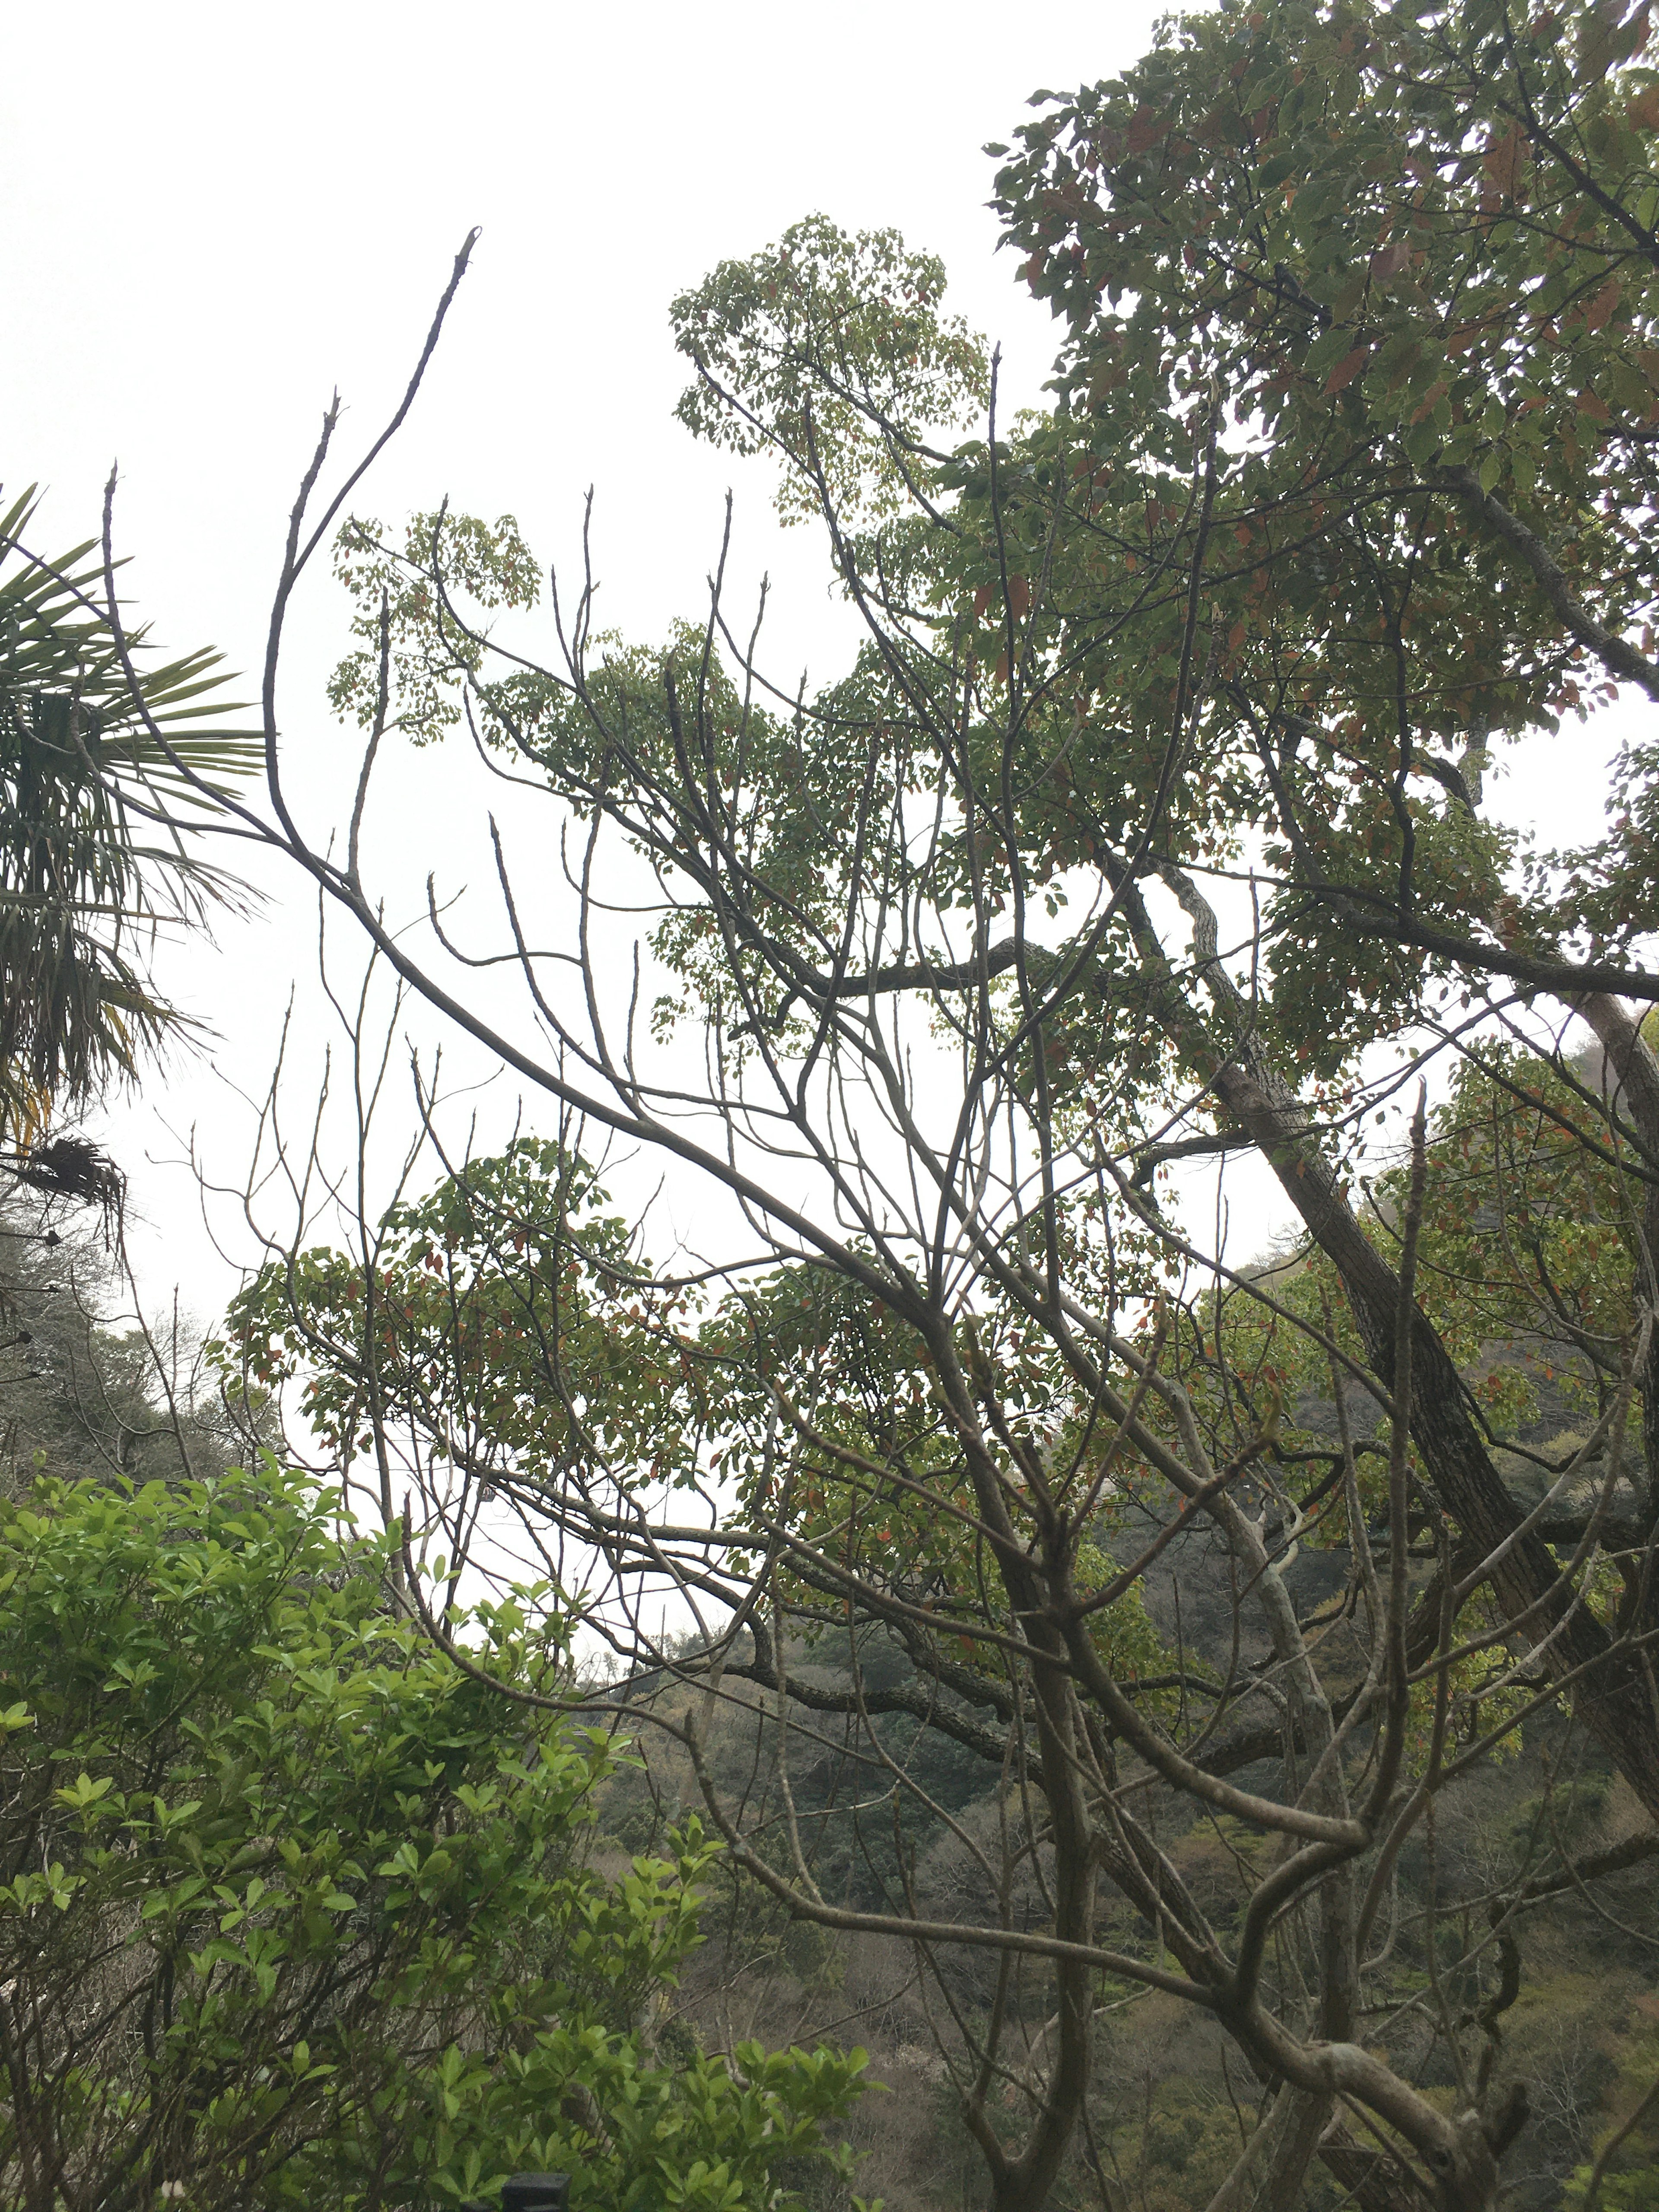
293, 1912
105, 774
1415, 255
1253, 606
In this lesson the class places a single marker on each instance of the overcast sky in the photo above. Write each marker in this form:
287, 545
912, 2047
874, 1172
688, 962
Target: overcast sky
214, 215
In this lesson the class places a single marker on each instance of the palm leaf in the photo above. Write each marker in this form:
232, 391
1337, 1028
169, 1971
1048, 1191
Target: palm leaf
90, 770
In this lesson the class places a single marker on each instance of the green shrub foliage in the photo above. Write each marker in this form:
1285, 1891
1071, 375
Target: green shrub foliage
293, 1911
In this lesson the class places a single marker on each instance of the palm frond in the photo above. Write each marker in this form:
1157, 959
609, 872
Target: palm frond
91, 769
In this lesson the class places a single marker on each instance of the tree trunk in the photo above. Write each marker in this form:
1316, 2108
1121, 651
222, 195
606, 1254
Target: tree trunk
1612, 1695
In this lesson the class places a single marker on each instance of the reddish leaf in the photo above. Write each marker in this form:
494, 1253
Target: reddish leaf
1503, 161
1597, 314
1348, 368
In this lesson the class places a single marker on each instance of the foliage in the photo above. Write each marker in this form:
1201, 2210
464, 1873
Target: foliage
1634, 2191
1411, 256
449, 565
296, 1912
505, 1318
506, 1331
101, 776
844, 364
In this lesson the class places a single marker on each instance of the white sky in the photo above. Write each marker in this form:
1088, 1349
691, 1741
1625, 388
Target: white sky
210, 216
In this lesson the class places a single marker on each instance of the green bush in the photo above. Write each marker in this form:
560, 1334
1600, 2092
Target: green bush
294, 1912
1634, 2191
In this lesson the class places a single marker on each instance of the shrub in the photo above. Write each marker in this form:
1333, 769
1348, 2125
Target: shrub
294, 1911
